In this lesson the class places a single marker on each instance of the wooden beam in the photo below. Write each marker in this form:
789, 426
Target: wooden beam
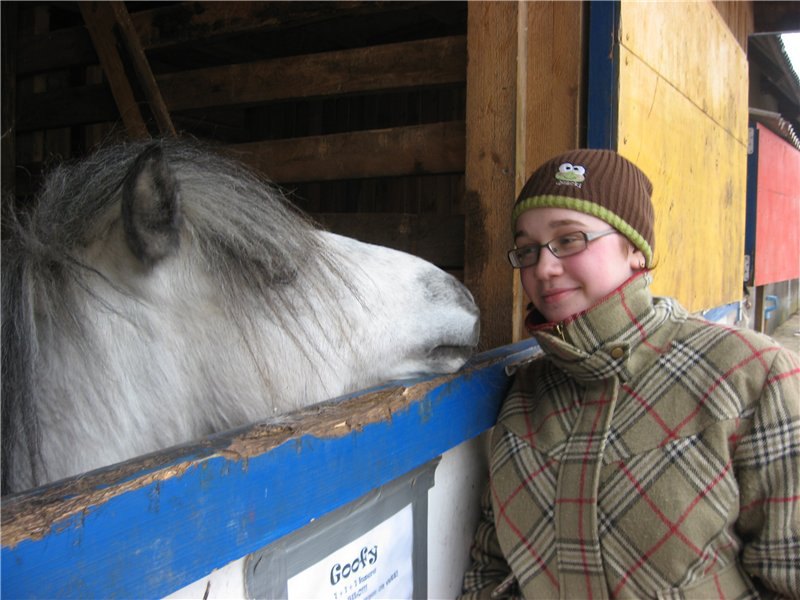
124, 63
437, 61
190, 22
418, 149
60, 49
416, 64
436, 238
779, 16
413, 150
489, 176
65, 107
524, 95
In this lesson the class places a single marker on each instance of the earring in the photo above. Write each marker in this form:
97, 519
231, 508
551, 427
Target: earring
641, 264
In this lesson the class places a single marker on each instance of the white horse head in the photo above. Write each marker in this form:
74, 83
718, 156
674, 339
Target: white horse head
158, 293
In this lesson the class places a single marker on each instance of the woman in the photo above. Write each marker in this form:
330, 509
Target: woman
649, 453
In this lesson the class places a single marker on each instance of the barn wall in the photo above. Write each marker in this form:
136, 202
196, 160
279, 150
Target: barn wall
365, 111
683, 120
356, 108
682, 117
738, 16
777, 209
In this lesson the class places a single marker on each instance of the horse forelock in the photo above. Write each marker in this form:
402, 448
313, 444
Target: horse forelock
243, 229
249, 236
239, 227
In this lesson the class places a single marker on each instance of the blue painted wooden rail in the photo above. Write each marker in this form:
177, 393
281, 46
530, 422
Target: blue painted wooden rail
155, 524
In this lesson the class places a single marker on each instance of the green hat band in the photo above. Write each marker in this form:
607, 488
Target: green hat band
589, 208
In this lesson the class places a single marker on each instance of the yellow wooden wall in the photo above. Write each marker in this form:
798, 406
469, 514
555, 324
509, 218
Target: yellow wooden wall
683, 102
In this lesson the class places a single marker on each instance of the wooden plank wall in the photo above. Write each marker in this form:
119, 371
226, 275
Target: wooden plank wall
357, 108
365, 111
738, 16
683, 118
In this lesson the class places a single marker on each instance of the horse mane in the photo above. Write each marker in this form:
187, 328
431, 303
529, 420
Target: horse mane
243, 227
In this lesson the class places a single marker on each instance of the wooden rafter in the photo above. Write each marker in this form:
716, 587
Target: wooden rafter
125, 65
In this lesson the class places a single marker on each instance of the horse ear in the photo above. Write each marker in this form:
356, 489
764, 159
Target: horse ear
151, 207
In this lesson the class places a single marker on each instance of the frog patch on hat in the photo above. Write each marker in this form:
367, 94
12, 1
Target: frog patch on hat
569, 174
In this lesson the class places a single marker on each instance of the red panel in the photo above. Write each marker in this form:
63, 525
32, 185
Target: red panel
777, 250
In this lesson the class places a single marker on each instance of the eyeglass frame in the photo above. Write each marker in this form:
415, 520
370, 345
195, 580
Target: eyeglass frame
588, 236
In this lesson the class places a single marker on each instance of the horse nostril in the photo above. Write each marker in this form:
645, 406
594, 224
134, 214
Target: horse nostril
449, 358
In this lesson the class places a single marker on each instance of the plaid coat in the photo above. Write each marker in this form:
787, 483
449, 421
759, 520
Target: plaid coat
650, 454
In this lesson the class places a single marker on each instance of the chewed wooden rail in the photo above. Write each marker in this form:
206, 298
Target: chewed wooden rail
152, 525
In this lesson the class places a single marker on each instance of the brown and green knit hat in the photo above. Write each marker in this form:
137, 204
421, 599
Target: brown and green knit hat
600, 183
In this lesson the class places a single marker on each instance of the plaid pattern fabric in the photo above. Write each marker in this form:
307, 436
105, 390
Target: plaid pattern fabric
651, 454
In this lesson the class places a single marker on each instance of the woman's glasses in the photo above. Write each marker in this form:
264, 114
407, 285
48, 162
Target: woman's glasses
561, 247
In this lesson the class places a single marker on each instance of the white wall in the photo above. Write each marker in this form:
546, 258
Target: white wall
453, 507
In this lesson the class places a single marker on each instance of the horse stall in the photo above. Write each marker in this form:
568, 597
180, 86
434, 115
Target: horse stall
409, 125
358, 111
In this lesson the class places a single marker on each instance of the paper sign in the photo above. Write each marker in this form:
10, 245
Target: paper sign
376, 565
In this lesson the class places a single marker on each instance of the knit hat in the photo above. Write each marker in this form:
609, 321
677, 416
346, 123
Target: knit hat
600, 183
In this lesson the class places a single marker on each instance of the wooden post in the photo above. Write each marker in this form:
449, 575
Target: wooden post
549, 97
124, 63
524, 98
489, 173
760, 323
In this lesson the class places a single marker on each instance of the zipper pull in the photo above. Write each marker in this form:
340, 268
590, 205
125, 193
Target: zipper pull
560, 330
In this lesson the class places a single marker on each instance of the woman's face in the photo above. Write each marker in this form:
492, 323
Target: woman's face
560, 288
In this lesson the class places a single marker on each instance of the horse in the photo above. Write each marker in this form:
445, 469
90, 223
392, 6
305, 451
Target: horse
159, 291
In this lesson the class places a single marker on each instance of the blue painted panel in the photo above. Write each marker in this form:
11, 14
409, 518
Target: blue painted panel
719, 313
147, 539
603, 85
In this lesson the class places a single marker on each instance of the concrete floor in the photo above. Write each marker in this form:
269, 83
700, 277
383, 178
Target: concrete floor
788, 333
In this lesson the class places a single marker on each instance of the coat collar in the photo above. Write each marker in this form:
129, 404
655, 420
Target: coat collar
597, 343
